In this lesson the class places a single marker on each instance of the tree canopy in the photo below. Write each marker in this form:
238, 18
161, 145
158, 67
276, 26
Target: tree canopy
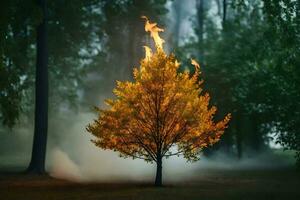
251, 67
161, 109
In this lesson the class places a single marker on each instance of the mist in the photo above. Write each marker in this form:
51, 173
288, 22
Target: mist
72, 156
76, 158
217, 77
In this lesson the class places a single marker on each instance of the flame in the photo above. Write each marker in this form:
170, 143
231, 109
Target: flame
177, 64
154, 33
196, 64
148, 52
154, 30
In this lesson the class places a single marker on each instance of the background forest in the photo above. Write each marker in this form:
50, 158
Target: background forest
249, 52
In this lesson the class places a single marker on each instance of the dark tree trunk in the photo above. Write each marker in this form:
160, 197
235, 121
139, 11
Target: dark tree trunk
200, 15
256, 136
158, 178
178, 15
239, 138
37, 163
224, 13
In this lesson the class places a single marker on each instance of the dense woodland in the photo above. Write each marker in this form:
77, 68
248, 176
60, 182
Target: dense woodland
249, 52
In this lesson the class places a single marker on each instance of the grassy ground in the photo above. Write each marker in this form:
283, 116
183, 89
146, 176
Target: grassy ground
217, 184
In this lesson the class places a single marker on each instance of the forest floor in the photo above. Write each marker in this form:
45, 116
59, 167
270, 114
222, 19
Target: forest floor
213, 185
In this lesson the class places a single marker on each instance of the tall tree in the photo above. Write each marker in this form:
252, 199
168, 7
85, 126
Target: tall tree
283, 36
16, 40
224, 13
72, 27
233, 76
177, 6
72, 41
37, 163
200, 19
160, 110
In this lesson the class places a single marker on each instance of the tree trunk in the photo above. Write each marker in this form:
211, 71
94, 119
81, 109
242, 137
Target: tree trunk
178, 15
256, 136
200, 16
239, 138
224, 13
158, 178
37, 163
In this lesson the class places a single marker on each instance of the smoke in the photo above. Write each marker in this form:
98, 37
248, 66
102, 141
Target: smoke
73, 157
180, 20
63, 166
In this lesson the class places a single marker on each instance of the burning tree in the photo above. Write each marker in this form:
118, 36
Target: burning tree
161, 114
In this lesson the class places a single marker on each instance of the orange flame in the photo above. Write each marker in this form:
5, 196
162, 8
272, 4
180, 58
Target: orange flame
154, 30
196, 64
154, 33
148, 52
177, 64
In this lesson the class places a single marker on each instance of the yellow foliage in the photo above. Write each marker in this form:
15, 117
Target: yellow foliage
160, 109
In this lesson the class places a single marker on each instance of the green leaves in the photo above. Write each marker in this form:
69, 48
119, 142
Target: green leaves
252, 68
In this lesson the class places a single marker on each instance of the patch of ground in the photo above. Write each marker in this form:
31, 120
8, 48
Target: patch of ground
212, 185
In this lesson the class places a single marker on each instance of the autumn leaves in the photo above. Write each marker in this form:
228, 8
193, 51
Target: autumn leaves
161, 109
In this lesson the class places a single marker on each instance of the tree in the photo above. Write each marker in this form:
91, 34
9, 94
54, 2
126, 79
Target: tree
237, 70
71, 31
178, 12
200, 19
224, 13
61, 55
71, 28
16, 40
37, 163
283, 36
161, 114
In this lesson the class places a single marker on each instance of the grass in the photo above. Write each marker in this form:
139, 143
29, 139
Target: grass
215, 185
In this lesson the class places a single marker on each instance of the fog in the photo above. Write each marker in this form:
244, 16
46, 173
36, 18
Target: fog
76, 158
72, 156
